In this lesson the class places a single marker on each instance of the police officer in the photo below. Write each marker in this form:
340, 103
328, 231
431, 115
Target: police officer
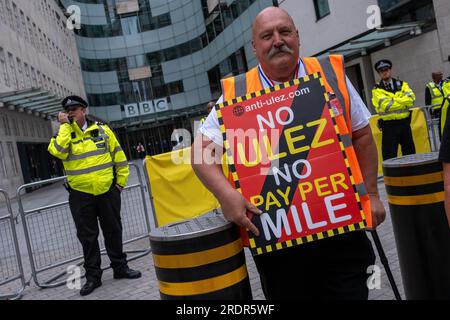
97, 171
392, 99
433, 93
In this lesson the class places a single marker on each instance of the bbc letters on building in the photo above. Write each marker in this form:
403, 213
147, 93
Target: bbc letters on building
146, 107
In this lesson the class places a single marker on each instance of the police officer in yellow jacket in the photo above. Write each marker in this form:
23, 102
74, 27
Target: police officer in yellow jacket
392, 99
97, 171
434, 95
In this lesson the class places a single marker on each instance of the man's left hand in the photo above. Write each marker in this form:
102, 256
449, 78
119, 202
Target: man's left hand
378, 211
119, 188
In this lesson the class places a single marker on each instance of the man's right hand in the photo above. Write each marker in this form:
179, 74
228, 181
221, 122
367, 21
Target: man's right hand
63, 118
235, 207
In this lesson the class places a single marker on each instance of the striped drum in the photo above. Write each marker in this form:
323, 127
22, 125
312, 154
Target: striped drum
415, 190
201, 258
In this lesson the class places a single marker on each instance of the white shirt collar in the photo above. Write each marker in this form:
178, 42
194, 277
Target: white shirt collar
84, 126
267, 82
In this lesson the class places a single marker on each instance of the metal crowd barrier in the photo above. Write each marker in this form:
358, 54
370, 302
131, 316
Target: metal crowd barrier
433, 128
11, 269
50, 232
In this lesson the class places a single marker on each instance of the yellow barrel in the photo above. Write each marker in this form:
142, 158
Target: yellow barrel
200, 259
415, 189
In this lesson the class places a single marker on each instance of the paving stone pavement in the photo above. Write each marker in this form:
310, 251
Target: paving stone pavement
146, 288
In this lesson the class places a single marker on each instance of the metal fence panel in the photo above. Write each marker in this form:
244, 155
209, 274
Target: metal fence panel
52, 235
12, 279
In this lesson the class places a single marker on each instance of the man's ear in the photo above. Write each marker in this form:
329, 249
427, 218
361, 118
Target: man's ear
253, 47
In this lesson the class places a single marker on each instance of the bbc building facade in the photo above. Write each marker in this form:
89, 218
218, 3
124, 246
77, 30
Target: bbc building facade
152, 66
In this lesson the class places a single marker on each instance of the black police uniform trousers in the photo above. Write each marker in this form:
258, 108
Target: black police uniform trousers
329, 269
87, 210
395, 133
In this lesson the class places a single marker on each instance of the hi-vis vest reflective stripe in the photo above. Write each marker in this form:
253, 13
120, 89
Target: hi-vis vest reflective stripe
331, 68
444, 112
333, 74
89, 158
436, 95
389, 108
445, 104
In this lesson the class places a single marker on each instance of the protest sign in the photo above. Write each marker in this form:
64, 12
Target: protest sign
290, 154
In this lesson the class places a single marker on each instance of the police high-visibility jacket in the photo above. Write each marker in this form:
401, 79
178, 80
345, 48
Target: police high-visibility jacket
436, 94
393, 105
445, 104
92, 159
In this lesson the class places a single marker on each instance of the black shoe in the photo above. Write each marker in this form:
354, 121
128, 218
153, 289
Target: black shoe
89, 287
127, 274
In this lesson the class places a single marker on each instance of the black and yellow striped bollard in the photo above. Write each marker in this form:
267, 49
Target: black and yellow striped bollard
200, 259
415, 190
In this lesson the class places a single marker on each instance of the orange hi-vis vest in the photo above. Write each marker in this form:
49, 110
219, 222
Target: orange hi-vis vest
332, 71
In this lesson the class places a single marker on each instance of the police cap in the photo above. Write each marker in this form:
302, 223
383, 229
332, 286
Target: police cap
73, 101
383, 64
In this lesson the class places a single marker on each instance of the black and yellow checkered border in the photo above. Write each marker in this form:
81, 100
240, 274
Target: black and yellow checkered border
232, 167
305, 239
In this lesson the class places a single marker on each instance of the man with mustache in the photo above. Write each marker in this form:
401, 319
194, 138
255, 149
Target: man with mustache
333, 268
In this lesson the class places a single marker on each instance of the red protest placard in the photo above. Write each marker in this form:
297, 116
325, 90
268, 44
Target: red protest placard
290, 154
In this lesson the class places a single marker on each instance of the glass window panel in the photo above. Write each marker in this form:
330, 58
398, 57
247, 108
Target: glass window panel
131, 62
130, 25
322, 8
218, 26
210, 32
185, 49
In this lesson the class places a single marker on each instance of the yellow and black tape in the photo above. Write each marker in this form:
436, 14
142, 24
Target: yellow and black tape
204, 286
421, 189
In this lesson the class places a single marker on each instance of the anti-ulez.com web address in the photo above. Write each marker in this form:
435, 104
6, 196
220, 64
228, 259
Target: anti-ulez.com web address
277, 99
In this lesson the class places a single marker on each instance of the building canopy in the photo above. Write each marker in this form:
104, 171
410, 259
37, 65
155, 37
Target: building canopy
380, 37
34, 101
